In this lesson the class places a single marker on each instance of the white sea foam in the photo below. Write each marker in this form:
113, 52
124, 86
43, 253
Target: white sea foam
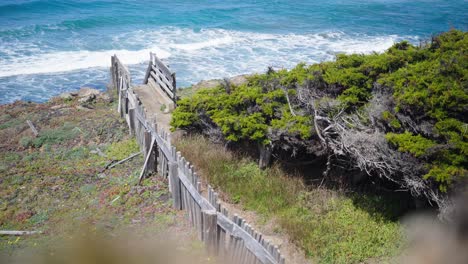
71, 60
204, 54
215, 53
204, 44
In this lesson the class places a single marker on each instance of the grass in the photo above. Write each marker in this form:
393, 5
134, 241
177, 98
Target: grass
122, 149
330, 226
10, 123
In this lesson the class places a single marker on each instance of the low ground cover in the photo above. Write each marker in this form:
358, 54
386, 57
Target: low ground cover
57, 183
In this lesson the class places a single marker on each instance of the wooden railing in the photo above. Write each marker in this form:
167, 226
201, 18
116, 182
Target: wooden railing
121, 81
232, 239
159, 73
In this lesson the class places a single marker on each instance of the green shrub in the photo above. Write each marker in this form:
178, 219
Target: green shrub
247, 112
425, 87
445, 175
448, 164
391, 119
407, 142
26, 141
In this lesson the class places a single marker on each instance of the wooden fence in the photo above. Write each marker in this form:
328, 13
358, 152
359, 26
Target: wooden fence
121, 83
232, 239
158, 73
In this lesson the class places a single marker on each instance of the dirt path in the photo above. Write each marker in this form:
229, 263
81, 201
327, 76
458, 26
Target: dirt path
155, 108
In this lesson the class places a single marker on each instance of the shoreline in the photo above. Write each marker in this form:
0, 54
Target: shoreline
183, 91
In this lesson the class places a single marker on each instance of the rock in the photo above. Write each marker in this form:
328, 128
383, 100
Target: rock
87, 95
206, 84
236, 80
105, 97
55, 107
67, 96
80, 107
87, 98
239, 79
65, 110
86, 91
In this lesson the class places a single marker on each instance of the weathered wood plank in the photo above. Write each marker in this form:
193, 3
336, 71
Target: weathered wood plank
142, 174
164, 69
194, 193
190, 207
200, 221
209, 230
147, 141
261, 253
119, 91
224, 244
163, 83
175, 185
161, 143
131, 120
148, 70
157, 84
160, 77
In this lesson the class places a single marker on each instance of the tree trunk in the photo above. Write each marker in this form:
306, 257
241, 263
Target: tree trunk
265, 156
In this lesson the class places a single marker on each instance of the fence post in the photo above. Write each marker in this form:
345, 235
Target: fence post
175, 185
174, 86
148, 139
131, 120
210, 228
148, 70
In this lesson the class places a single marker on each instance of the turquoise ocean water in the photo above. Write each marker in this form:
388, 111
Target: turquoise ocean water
50, 46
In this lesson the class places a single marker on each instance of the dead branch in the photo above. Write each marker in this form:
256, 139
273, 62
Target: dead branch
110, 166
364, 146
289, 102
18, 233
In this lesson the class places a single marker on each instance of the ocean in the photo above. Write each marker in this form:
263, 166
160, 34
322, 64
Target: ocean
49, 46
